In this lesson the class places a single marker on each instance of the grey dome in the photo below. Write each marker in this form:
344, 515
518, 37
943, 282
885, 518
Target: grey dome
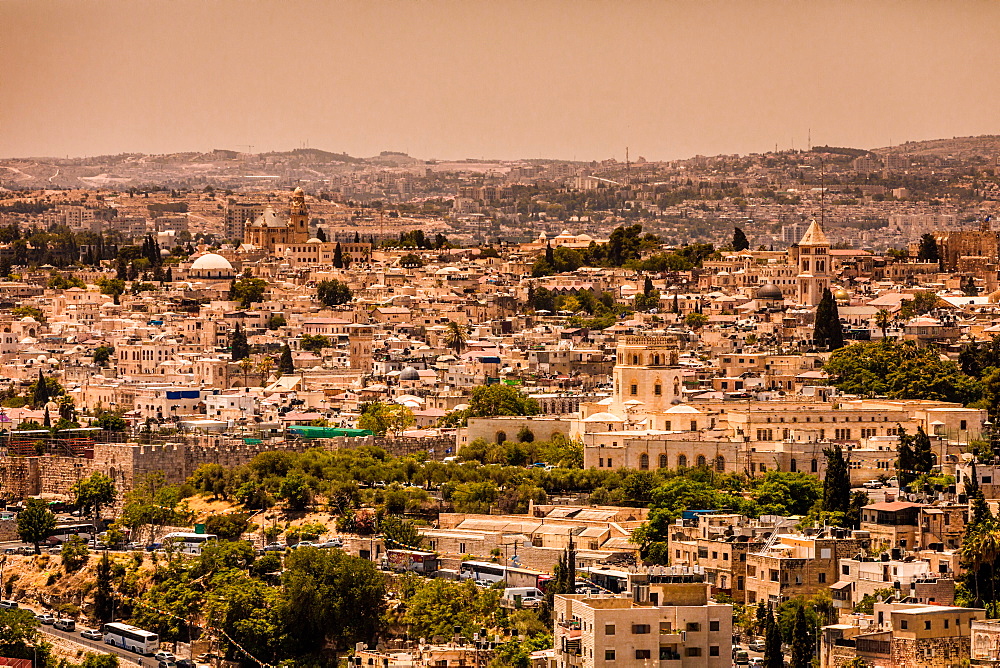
769, 292
409, 373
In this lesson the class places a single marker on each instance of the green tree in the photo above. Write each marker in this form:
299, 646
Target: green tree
386, 418
435, 607
740, 241
35, 522
92, 660
330, 600
928, 251
230, 526
247, 290
884, 320
455, 337
314, 343
400, 532
103, 590
338, 257
238, 344
802, 645
74, 553
275, 321
500, 399
93, 492
294, 490
102, 355
333, 293
773, 656
695, 320
20, 637
828, 332
900, 371
837, 483
906, 460
285, 363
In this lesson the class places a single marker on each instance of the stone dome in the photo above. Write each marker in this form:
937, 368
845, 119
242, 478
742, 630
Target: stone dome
211, 261
212, 265
409, 373
841, 295
769, 292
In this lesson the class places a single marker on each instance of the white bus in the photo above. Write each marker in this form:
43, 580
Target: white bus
131, 638
482, 571
190, 543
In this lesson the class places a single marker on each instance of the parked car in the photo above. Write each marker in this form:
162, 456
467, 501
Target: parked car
166, 664
91, 634
45, 618
152, 547
873, 484
304, 543
163, 655
8, 604
757, 662
274, 547
64, 625
333, 542
185, 663
10, 550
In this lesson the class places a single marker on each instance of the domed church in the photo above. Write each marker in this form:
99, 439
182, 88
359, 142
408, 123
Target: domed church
271, 228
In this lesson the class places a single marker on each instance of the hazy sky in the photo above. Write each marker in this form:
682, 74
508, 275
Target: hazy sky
575, 79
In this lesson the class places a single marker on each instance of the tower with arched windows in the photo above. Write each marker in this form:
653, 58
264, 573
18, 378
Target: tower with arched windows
813, 260
647, 378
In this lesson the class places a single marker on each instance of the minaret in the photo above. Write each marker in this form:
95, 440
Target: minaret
298, 218
814, 265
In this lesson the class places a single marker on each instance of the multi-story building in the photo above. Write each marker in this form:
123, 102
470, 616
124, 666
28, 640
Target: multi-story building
675, 623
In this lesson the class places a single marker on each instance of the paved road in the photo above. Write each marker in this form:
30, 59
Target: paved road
74, 636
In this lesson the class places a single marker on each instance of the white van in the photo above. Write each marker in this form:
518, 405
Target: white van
527, 596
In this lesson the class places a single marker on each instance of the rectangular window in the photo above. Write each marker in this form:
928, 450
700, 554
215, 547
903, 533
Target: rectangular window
693, 651
640, 629
642, 654
822, 578
609, 655
634, 390
609, 629
693, 627
713, 625
657, 389
902, 624
713, 650
927, 625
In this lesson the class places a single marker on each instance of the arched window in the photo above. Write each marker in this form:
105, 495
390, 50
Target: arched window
501, 437
644, 461
793, 466
663, 461
682, 461
701, 462
814, 466
720, 464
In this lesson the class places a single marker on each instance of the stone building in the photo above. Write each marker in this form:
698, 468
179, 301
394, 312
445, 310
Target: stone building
270, 229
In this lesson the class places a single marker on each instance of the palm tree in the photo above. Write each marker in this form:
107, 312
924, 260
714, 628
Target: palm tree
246, 364
455, 338
882, 320
980, 548
264, 367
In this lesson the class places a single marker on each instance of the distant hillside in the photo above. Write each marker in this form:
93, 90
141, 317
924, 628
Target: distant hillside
987, 146
316, 155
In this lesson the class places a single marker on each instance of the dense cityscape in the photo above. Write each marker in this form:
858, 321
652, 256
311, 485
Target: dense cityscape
303, 408
548, 334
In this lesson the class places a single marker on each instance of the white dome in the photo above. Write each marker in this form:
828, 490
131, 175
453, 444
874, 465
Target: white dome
211, 262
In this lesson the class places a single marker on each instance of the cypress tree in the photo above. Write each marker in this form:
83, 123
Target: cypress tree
773, 658
802, 647
238, 344
338, 257
285, 363
677, 304
837, 483
922, 454
321, 234
740, 241
647, 286
41, 394
906, 462
828, 332
550, 257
